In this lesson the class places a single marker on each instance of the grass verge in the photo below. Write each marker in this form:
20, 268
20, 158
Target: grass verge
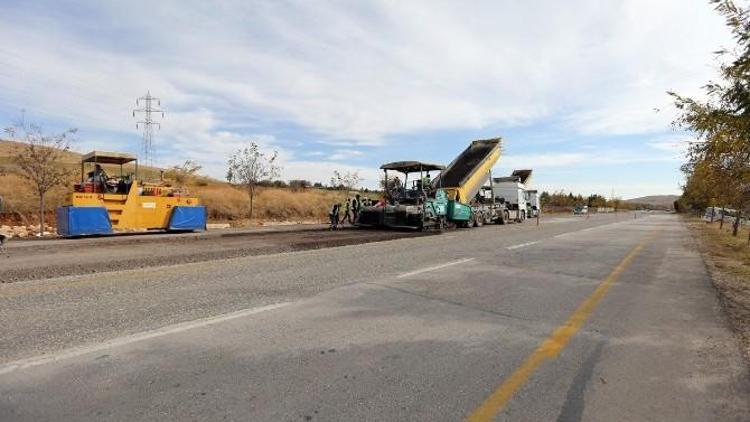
728, 258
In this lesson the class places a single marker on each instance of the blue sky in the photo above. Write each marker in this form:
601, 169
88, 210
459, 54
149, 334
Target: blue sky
572, 86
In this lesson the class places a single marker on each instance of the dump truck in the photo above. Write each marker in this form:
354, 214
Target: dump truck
512, 192
464, 182
101, 205
407, 204
533, 203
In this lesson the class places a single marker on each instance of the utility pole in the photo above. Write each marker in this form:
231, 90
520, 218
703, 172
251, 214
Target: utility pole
150, 105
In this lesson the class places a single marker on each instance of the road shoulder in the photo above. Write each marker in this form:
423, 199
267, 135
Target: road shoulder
727, 260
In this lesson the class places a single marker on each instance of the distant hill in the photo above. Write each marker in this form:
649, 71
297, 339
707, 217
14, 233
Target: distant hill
665, 201
8, 150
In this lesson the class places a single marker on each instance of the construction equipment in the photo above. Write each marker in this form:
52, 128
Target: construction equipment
533, 203
455, 197
513, 193
101, 204
407, 206
464, 181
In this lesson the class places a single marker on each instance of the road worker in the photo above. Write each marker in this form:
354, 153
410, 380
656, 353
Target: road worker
333, 216
356, 206
347, 212
99, 177
2, 235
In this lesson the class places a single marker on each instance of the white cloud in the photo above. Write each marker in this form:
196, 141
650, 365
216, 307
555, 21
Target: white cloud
358, 72
322, 171
598, 157
197, 136
352, 75
345, 154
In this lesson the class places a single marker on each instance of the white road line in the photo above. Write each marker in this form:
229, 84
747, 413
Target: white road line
510, 248
133, 338
436, 267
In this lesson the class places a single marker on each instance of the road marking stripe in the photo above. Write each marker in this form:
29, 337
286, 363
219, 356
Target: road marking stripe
133, 338
436, 267
510, 248
553, 345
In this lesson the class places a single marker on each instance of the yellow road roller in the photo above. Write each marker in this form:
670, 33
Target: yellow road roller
102, 203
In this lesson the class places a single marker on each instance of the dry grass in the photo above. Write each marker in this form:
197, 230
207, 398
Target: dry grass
21, 204
227, 203
729, 252
224, 202
729, 260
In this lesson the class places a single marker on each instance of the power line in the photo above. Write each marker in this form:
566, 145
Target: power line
150, 106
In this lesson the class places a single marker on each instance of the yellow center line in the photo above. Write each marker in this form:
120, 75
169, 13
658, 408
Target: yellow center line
552, 345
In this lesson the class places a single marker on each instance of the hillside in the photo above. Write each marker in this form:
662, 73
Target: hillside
661, 201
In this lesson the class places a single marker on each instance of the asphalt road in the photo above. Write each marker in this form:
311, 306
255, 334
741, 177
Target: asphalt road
40, 259
602, 319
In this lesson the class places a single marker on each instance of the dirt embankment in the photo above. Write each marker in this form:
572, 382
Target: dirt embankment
728, 259
55, 258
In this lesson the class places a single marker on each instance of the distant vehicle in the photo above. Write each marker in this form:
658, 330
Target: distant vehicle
581, 210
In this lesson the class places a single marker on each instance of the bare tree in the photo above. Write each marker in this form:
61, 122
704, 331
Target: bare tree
40, 159
347, 181
183, 173
248, 166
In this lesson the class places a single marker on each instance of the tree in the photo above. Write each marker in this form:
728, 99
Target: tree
299, 184
544, 198
184, 172
40, 159
347, 181
248, 166
718, 165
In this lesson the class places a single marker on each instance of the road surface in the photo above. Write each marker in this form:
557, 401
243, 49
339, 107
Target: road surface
601, 319
40, 259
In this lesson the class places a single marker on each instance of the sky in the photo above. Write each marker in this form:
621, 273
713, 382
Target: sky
576, 89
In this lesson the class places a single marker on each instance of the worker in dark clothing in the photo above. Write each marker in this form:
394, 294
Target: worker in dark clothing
425, 184
356, 206
2, 236
99, 178
347, 213
333, 215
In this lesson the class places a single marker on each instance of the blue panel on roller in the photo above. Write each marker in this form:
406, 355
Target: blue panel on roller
83, 221
188, 218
